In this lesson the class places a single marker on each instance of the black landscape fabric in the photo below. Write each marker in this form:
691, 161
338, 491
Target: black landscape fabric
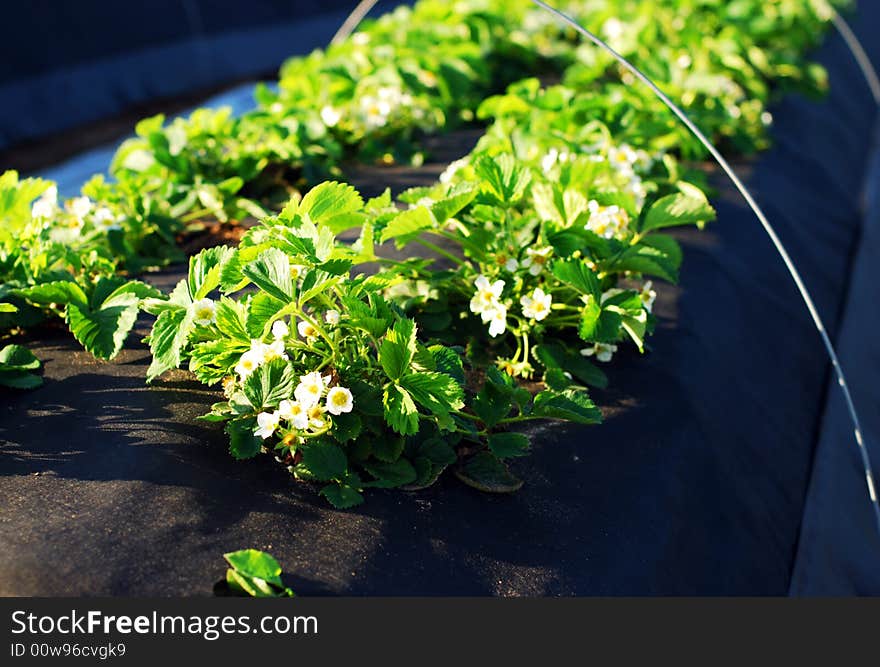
696, 484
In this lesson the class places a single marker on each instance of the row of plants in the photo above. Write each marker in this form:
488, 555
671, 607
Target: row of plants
385, 380
543, 241
413, 71
372, 97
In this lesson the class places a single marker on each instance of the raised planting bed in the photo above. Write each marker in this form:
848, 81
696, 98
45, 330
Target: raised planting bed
696, 482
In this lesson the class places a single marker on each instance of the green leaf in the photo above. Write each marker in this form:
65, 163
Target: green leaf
332, 204
204, 271
504, 179
493, 402
243, 444
575, 273
388, 448
231, 317
390, 475
263, 309
336, 267
455, 200
324, 460
448, 361
556, 379
571, 405
342, 496
647, 260
271, 383
253, 563
346, 426
635, 326
170, 333
437, 451
678, 209
407, 224
486, 472
60, 292
437, 392
400, 410
252, 586
667, 247
271, 273
8, 308
18, 358
398, 348
555, 356
102, 332
116, 291
508, 445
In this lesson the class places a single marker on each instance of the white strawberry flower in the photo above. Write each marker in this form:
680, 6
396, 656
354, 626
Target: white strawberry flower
249, 362
602, 351
204, 312
339, 400
66, 231
487, 295
623, 158
330, 116
295, 413
331, 317
297, 271
275, 350
613, 28
310, 389
549, 160
536, 306
316, 417
307, 330
648, 295
46, 206
511, 265
453, 168
80, 207
606, 221
105, 219
637, 189
267, 423
536, 259
498, 321
42, 210
376, 109
280, 329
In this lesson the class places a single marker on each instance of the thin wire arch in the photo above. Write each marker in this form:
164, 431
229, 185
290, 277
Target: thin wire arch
858, 52
768, 228
353, 20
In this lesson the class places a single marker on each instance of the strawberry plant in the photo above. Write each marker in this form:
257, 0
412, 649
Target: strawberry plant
318, 367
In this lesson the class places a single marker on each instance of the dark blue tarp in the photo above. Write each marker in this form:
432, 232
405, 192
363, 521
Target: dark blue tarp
68, 63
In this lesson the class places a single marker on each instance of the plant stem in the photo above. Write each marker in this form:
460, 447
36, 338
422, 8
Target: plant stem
440, 251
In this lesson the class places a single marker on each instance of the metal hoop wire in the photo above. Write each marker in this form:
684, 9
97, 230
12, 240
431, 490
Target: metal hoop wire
858, 53
363, 8
768, 228
353, 20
